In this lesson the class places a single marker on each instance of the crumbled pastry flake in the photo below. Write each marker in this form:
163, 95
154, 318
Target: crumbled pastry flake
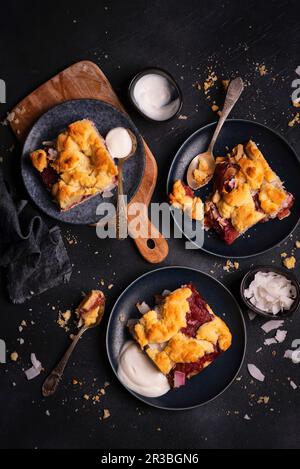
230, 265
262, 69
86, 397
263, 400
210, 81
214, 107
183, 198
63, 319
295, 120
106, 414
289, 262
14, 356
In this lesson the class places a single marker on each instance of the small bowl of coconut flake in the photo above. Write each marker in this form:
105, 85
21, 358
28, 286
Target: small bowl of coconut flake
270, 291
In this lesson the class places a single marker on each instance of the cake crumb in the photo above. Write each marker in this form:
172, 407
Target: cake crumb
182, 117
289, 262
86, 397
209, 82
214, 107
295, 120
296, 103
14, 356
230, 265
263, 400
297, 244
110, 286
106, 414
283, 254
262, 69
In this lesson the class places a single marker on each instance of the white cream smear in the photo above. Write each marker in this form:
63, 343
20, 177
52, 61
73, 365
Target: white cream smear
118, 142
153, 96
137, 373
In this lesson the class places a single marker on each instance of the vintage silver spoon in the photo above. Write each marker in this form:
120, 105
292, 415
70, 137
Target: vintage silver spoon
93, 298
234, 91
121, 215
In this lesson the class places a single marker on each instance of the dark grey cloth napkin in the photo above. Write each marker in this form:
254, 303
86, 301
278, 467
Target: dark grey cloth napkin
33, 256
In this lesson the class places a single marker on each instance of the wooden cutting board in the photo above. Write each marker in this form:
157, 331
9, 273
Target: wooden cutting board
85, 80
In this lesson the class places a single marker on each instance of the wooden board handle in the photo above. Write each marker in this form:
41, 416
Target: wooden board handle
85, 80
154, 247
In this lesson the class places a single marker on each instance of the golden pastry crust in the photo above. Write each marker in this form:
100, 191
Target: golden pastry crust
254, 180
165, 342
216, 332
239, 196
271, 198
245, 216
88, 309
255, 154
192, 205
180, 349
39, 160
156, 328
83, 163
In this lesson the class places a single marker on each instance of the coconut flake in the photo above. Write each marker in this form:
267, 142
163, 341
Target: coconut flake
270, 341
271, 325
294, 385
143, 307
35, 362
280, 336
255, 372
32, 373
36, 368
271, 292
293, 355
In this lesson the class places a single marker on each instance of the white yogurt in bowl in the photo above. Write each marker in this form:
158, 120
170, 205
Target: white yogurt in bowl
156, 95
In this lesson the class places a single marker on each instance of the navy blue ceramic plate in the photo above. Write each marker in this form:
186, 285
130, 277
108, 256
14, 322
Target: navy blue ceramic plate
49, 125
211, 382
283, 161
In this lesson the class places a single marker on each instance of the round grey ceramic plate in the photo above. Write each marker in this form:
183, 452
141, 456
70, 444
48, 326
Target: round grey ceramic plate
49, 125
217, 377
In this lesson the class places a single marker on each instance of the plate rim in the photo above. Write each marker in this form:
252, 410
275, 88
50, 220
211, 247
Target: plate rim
139, 397
60, 105
212, 124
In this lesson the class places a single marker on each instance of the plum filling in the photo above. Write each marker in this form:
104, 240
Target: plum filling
191, 369
197, 315
188, 191
222, 226
49, 177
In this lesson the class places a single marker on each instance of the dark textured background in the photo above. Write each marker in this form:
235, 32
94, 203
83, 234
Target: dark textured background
39, 39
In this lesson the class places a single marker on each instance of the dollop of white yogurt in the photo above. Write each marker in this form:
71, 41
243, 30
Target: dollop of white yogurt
153, 96
119, 142
137, 373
